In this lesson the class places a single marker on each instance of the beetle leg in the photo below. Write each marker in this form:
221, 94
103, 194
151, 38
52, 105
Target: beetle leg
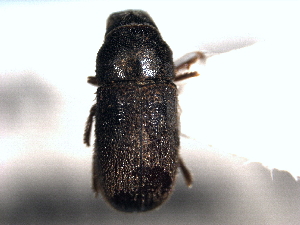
185, 62
88, 126
186, 173
188, 59
93, 81
186, 75
95, 178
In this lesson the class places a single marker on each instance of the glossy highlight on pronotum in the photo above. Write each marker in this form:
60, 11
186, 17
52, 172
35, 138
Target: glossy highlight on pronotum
137, 128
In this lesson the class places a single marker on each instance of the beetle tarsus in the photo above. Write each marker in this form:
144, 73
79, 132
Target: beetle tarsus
93, 81
88, 126
186, 75
186, 173
185, 62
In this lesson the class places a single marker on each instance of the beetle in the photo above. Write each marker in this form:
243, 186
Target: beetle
136, 148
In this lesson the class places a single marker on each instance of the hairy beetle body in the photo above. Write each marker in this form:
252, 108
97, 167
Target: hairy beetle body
137, 144
137, 138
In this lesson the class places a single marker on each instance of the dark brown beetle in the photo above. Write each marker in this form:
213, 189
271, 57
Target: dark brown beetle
137, 127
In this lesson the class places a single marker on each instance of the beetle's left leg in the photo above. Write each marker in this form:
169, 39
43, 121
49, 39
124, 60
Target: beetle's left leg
89, 122
88, 126
186, 173
93, 81
185, 62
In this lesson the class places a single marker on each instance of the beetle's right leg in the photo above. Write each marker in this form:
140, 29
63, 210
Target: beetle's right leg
186, 173
185, 62
186, 75
88, 126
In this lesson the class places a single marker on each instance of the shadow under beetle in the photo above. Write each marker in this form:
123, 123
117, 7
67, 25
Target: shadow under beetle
137, 128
